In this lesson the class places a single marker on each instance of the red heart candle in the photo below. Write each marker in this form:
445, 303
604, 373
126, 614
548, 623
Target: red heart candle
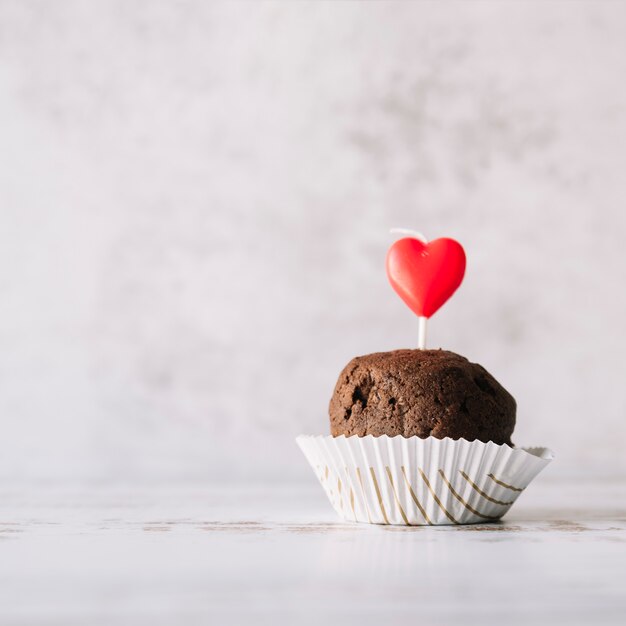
425, 274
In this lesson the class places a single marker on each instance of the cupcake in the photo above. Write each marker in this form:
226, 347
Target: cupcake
421, 393
421, 437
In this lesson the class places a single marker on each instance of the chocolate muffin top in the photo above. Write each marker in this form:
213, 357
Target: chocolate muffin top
421, 392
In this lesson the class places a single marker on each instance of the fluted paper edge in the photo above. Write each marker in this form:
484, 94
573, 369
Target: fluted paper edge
413, 481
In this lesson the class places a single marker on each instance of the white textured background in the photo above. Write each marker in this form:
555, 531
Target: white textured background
195, 201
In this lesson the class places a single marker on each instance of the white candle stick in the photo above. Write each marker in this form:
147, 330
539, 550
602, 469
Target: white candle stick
421, 333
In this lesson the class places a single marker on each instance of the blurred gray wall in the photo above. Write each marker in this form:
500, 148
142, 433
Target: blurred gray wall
195, 201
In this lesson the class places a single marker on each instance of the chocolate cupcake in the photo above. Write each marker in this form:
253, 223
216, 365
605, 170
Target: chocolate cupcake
421, 393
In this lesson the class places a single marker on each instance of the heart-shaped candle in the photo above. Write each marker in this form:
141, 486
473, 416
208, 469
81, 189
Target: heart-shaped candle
425, 274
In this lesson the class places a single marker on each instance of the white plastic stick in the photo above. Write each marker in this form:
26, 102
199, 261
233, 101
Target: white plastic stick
421, 333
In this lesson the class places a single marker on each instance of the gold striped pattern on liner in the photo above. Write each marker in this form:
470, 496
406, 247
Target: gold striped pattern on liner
414, 497
339, 492
503, 484
367, 510
464, 503
437, 500
351, 493
380, 499
459, 498
482, 493
395, 495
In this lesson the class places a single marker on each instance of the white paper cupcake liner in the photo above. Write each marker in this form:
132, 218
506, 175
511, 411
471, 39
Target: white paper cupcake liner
413, 481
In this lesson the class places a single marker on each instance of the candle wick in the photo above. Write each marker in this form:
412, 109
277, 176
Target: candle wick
406, 231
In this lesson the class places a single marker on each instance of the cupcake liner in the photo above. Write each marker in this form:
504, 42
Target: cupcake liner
413, 481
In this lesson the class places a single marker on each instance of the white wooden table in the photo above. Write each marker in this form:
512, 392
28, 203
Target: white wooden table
278, 555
